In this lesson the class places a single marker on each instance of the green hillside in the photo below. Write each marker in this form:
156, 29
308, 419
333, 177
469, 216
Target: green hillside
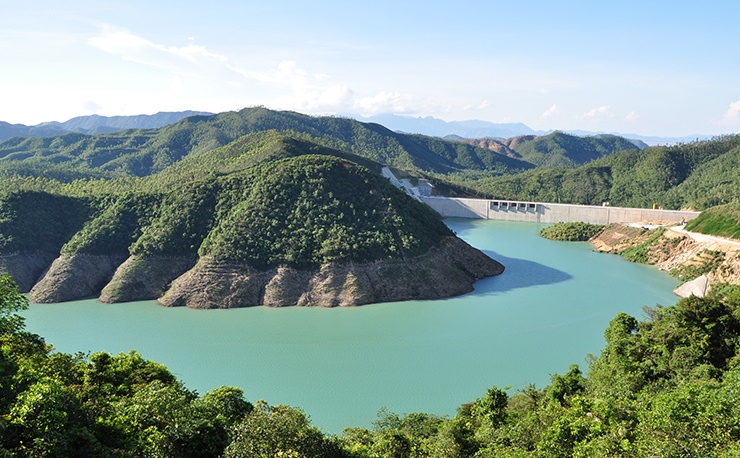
32, 220
266, 199
144, 152
723, 220
697, 175
563, 150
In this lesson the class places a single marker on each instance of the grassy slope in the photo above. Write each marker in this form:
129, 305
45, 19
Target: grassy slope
723, 221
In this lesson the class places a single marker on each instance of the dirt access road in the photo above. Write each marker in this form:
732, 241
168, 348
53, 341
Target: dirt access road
716, 243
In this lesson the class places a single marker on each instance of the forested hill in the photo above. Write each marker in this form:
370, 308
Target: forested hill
143, 152
696, 175
557, 149
270, 219
563, 150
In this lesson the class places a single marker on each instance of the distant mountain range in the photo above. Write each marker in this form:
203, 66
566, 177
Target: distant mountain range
484, 129
94, 124
439, 128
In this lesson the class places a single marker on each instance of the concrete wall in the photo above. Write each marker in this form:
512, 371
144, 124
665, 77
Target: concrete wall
539, 212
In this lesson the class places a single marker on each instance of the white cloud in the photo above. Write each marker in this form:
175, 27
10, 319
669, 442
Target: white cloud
477, 106
632, 116
598, 112
191, 60
91, 106
732, 115
383, 102
552, 111
130, 47
196, 73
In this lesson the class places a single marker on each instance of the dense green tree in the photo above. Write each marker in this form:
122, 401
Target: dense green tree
271, 431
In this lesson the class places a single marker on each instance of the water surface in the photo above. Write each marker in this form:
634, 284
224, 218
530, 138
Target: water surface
547, 311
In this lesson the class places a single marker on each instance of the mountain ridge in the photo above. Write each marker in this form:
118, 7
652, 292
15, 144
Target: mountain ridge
427, 125
95, 124
145, 151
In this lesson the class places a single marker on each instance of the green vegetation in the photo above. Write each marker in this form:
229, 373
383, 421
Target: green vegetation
697, 175
571, 232
31, 220
639, 253
314, 209
140, 152
723, 221
266, 199
708, 261
562, 150
666, 386
120, 222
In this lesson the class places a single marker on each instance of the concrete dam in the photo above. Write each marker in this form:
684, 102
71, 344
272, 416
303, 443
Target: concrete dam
540, 212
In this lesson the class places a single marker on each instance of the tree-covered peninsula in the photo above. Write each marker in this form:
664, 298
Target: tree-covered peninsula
267, 220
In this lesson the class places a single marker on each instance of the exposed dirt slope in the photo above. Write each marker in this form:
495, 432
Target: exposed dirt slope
674, 251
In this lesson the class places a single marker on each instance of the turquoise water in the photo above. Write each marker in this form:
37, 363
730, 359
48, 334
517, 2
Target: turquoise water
547, 311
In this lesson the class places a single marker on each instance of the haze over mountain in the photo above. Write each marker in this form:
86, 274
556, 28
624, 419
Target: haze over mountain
439, 128
484, 129
94, 124
431, 126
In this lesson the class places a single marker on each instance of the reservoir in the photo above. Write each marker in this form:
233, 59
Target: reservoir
548, 310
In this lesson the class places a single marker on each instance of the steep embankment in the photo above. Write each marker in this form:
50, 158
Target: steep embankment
446, 270
675, 251
282, 222
33, 228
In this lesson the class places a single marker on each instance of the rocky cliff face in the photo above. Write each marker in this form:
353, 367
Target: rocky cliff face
75, 277
144, 277
449, 269
26, 268
444, 271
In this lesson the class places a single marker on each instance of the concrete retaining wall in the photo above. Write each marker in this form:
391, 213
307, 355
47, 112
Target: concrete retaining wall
539, 212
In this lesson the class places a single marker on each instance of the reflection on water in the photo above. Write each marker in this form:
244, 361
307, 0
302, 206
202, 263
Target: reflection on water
548, 310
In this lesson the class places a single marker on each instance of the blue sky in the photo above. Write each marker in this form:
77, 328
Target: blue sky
645, 67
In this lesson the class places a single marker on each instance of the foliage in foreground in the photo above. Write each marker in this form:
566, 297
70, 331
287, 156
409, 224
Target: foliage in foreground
666, 386
102, 405
571, 232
